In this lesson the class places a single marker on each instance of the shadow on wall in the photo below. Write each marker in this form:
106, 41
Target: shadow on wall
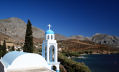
1, 67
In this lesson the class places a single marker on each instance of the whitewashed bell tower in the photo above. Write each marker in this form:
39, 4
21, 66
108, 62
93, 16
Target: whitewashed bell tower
50, 50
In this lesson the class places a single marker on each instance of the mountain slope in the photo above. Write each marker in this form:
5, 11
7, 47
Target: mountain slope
74, 45
16, 28
106, 39
60, 37
80, 37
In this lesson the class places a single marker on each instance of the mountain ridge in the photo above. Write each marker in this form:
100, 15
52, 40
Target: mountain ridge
15, 28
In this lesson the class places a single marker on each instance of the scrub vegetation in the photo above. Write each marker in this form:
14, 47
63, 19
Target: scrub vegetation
72, 66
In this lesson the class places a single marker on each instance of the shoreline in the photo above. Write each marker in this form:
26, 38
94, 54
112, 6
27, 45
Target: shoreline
82, 55
101, 63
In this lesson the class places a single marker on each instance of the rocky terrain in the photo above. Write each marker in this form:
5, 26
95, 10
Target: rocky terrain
106, 39
5, 37
13, 29
103, 39
80, 37
16, 28
60, 37
74, 45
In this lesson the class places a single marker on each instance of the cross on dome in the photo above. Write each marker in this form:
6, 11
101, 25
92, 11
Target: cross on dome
49, 26
49, 31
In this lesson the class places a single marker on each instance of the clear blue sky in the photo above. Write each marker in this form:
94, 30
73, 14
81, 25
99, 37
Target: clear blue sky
67, 17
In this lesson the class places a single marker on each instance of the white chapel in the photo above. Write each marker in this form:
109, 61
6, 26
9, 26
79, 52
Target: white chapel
18, 60
49, 49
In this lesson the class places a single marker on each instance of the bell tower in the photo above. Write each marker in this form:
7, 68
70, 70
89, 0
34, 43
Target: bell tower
50, 50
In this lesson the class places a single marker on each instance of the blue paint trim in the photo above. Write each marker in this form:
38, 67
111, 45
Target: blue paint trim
43, 50
57, 70
49, 32
11, 56
50, 54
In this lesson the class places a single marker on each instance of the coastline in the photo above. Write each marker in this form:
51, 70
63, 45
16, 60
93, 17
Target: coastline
82, 55
100, 62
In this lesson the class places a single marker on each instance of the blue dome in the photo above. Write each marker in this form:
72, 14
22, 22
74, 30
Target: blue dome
49, 32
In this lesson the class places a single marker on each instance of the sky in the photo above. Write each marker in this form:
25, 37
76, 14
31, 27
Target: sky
67, 17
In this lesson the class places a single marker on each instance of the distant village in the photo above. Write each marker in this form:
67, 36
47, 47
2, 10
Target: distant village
18, 45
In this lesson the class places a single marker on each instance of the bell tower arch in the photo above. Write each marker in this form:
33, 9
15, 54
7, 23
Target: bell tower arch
50, 49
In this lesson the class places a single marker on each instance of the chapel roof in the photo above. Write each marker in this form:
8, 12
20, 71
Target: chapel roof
49, 32
18, 59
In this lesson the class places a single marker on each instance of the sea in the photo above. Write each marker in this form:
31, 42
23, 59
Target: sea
100, 63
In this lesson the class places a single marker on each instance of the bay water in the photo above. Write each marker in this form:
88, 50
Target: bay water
100, 63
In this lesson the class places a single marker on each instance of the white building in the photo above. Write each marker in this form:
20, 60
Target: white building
18, 60
49, 50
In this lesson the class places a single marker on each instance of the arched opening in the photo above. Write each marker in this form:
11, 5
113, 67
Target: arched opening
54, 68
48, 37
52, 53
113, 41
51, 36
45, 53
1, 67
105, 42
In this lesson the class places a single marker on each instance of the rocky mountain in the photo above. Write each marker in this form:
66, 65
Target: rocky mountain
16, 28
5, 37
75, 45
106, 39
60, 37
100, 39
80, 37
